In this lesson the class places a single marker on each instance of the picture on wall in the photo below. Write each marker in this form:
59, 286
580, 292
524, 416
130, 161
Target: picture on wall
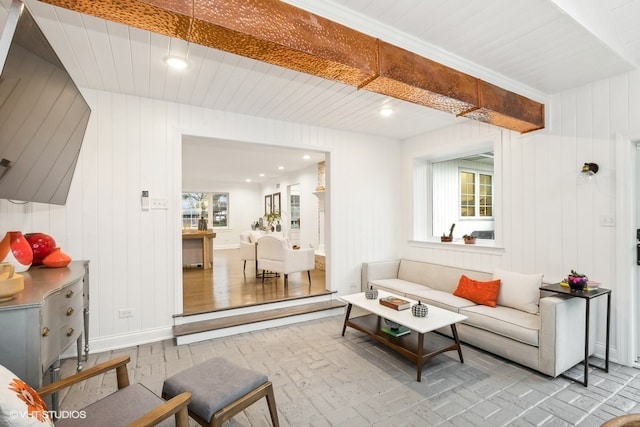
275, 206
267, 204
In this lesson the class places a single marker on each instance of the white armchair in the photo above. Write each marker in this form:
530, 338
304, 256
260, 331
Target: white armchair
275, 255
248, 241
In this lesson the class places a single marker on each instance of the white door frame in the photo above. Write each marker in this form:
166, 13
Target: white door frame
625, 297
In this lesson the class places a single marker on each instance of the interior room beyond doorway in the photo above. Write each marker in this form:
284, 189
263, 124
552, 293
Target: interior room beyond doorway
226, 286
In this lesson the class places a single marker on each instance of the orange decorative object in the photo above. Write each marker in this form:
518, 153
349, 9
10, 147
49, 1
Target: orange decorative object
56, 258
15, 249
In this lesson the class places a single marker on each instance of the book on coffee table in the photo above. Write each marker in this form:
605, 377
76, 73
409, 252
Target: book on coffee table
395, 302
395, 332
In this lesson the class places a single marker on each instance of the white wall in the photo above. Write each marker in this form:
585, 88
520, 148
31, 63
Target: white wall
134, 144
550, 219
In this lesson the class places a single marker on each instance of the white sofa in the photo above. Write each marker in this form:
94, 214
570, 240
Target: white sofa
545, 333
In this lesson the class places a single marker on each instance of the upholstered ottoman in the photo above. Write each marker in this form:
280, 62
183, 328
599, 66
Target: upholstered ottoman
219, 390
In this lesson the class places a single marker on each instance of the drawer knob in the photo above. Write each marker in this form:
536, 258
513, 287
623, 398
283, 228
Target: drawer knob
69, 332
69, 311
45, 331
69, 293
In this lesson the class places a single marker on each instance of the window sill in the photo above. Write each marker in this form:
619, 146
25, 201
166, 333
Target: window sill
481, 246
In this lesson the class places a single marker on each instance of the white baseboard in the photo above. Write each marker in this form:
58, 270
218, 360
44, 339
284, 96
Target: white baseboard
117, 342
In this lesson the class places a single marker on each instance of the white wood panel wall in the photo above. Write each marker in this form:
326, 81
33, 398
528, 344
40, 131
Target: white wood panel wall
550, 217
133, 144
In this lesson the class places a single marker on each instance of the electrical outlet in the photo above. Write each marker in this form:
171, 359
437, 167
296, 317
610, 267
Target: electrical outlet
607, 221
159, 203
125, 312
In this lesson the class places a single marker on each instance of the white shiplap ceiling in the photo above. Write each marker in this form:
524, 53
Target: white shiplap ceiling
532, 47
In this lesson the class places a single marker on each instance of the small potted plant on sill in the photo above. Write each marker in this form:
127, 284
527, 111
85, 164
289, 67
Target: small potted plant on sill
469, 240
449, 238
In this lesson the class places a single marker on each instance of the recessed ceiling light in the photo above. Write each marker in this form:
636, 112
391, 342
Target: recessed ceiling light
176, 63
248, 180
280, 168
386, 111
262, 175
306, 157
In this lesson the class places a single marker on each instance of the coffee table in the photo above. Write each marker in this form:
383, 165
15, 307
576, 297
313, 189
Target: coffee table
411, 346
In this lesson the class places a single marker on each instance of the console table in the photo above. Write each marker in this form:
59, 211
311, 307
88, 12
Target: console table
587, 295
44, 320
205, 238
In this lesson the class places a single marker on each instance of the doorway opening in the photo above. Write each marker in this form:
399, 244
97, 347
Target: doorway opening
249, 174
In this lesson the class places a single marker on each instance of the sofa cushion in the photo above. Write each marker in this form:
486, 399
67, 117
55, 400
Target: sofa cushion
396, 286
436, 276
505, 321
485, 293
440, 299
518, 290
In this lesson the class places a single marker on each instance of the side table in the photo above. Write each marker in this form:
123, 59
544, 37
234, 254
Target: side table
587, 295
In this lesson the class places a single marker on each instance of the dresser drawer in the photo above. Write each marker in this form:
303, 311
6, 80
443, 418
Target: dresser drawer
70, 302
49, 332
70, 332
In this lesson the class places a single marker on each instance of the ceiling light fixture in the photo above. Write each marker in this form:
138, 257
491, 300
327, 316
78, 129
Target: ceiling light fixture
262, 175
306, 157
248, 180
176, 62
280, 168
386, 111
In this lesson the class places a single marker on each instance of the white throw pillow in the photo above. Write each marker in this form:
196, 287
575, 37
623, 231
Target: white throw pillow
518, 290
20, 405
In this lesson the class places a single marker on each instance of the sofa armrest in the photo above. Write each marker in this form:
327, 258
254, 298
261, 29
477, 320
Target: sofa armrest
562, 329
378, 270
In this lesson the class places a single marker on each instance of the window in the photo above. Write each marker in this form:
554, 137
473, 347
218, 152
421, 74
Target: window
214, 207
460, 188
476, 194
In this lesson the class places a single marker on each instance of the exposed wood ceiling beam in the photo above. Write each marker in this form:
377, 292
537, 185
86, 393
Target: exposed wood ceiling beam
281, 34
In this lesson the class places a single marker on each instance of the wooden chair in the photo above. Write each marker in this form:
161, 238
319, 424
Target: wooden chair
132, 405
628, 420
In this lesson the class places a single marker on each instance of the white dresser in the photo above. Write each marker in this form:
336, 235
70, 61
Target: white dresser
45, 319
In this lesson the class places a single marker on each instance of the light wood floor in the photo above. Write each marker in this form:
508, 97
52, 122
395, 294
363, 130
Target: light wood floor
225, 286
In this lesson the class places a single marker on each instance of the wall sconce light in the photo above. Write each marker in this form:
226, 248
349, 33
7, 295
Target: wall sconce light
590, 169
588, 172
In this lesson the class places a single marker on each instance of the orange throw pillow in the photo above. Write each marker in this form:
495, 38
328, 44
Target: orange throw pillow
485, 293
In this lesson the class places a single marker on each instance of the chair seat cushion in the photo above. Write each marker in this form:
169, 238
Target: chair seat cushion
117, 409
213, 384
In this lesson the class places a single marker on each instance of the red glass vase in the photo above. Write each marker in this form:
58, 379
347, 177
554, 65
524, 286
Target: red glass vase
41, 244
15, 249
56, 258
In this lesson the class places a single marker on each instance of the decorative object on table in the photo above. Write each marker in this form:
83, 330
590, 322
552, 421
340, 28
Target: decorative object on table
41, 244
271, 218
15, 248
397, 331
11, 284
395, 303
449, 238
202, 224
278, 227
56, 259
576, 281
371, 293
420, 310
469, 240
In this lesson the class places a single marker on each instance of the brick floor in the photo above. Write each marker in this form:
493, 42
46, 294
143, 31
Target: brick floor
324, 379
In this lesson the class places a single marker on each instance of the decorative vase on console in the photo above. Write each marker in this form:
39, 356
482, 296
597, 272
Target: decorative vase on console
15, 249
41, 244
56, 258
